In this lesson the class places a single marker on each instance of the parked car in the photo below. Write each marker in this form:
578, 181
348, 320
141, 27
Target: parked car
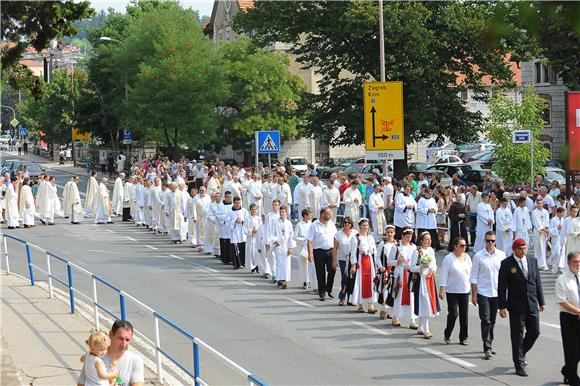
333, 165
365, 170
298, 163
5, 139
444, 177
553, 164
448, 160
460, 170
416, 167
477, 176
485, 160
32, 169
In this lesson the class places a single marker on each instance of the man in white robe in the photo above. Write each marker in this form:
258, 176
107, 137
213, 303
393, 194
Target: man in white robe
556, 227
71, 200
522, 222
192, 218
26, 206
139, 201
11, 205
377, 212
223, 210
306, 269
352, 200
282, 242
53, 202
331, 199
541, 232
91, 194
156, 204
147, 187
281, 192
485, 220
173, 210
245, 190
103, 208
504, 220
202, 202
405, 209
301, 194
41, 200
211, 243
237, 217
255, 194
118, 195
314, 196
128, 194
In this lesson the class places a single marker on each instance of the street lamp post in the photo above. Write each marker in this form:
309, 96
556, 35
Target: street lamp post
108, 39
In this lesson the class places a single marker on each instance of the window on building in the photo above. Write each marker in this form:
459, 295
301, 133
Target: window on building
538, 72
545, 74
464, 95
546, 114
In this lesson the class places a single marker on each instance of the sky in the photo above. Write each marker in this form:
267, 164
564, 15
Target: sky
204, 7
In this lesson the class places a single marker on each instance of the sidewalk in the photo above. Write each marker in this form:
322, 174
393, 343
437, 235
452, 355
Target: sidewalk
41, 341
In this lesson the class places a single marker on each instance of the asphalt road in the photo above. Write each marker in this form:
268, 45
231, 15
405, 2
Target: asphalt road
283, 336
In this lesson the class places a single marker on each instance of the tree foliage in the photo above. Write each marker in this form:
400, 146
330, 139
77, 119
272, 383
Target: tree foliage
427, 44
264, 95
513, 160
54, 112
36, 23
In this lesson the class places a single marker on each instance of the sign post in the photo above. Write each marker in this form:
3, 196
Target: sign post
572, 109
267, 142
384, 129
526, 136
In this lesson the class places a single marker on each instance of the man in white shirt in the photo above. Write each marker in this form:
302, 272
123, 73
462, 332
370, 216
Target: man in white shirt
568, 295
405, 208
320, 243
484, 279
388, 193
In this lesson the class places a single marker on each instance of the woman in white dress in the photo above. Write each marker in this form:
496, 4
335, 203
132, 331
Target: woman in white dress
423, 265
403, 305
363, 252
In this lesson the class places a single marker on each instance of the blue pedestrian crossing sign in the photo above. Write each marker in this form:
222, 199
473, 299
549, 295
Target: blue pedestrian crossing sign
22, 131
268, 142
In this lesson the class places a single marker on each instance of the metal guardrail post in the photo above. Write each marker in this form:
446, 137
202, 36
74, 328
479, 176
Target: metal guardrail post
96, 305
255, 381
122, 305
49, 272
157, 352
6, 256
29, 259
196, 370
70, 288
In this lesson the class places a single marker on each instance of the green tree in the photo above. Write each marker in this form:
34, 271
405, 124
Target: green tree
36, 23
176, 79
264, 94
513, 160
54, 112
427, 44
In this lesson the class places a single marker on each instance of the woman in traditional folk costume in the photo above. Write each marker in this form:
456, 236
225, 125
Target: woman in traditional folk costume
403, 304
362, 254
388, 252
423, 265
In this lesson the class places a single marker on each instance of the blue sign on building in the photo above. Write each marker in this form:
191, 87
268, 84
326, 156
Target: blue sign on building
127, 137
268, 142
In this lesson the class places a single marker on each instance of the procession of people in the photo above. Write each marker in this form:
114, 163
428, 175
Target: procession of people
383, 236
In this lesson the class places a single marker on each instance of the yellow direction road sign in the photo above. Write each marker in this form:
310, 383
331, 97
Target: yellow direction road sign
384, 132
78, 136
14, 122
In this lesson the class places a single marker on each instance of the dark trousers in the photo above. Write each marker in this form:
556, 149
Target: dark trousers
521, 343
226, 251
198, 183
487, 315
570, 329
324, 270
457, 304
343, 277
239, 254
470, 223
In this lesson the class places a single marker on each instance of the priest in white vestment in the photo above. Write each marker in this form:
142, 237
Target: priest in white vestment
103, 208
90, 196
118, 195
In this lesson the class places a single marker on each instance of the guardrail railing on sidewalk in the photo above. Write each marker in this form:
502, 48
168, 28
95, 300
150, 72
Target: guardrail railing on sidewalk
122, 296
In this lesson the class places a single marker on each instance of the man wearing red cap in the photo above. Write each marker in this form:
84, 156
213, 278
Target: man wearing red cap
520, 291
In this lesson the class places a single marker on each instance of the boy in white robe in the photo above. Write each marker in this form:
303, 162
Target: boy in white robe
192, 218
306, 269
555, 232
541, 223
282, 243
254, 243
504, 221
237, 217
269, 224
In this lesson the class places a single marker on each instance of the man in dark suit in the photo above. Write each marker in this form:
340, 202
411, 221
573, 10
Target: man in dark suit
520, 291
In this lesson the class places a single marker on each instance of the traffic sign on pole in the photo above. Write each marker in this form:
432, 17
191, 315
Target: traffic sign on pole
521, 136
127, 137
268, 142
14, 122
22, 131
383, 112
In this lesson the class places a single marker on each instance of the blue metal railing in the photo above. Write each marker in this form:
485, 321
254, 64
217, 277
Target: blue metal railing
196, 342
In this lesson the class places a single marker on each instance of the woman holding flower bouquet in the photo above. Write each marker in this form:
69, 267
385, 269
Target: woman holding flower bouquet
423, 265
403, 307
362, 258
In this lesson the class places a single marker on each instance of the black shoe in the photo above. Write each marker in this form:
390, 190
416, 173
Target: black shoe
565, 381
521, 372
321, 297
75, 222
11, 227
50, 223
330, 295
42, 221
109, 222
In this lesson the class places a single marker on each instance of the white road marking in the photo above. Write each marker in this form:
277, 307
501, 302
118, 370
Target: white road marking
550, 325
446, 357
130, 238
299, 303
95, 225
248, 283
175, 256
206, 268
372, 329
97, 251
110, 231
151, 247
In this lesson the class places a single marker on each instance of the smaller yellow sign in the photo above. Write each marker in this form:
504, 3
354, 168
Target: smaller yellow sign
78, 136
14, 122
